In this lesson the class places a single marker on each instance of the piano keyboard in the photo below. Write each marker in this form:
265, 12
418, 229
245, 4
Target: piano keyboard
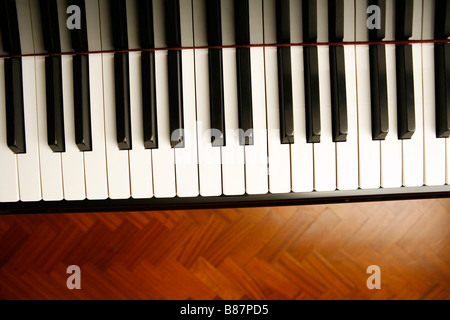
189, 101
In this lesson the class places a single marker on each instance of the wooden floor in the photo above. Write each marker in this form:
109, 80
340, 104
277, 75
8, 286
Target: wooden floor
308, 252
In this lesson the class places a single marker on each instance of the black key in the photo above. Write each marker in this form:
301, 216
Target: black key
403, 19
442, 19
285, 95
378, 85
442, 82
283, 21
442, 68
15, 123
404, 69
336, 20
312, 100
338, 94
82, 106
173, 38
378, 34
311, 66
79, 36
309, 8
378, 82
405, 91
119, 24
122, 88
284, 73
337, 71
50, 25
81, 89
217, 114
118, 13
244, 96
176, 99
173, 32
53, 75
9, 27
244, 78
216, 96
149, 99
214, 22
55, 113
242, 22
145, 12
146, 38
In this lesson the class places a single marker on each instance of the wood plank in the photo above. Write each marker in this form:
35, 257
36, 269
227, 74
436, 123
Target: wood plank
303, 252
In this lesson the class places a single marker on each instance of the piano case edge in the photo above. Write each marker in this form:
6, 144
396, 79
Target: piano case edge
242, 201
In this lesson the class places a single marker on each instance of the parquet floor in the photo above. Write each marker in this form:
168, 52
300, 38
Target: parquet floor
308, 252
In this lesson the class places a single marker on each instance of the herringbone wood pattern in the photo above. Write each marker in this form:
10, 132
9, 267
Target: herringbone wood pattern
308, 252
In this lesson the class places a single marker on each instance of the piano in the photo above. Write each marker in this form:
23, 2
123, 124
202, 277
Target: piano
113, 105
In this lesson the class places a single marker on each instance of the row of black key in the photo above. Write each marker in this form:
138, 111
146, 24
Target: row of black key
380, 128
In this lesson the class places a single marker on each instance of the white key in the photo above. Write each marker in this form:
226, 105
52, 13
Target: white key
413, 149
95, 160
209, 157
50, 162
141, 177
72, 158
302, 166
434, 148
233, 171
186, 158
140, 158
164, 183
9, 184
301, 151
413, 163
163, 157
279, 154
325, 151
28, 163
117, 160
256, 171
256, 21
64, 32
347, 152
233, 158
391, 147
368, 150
